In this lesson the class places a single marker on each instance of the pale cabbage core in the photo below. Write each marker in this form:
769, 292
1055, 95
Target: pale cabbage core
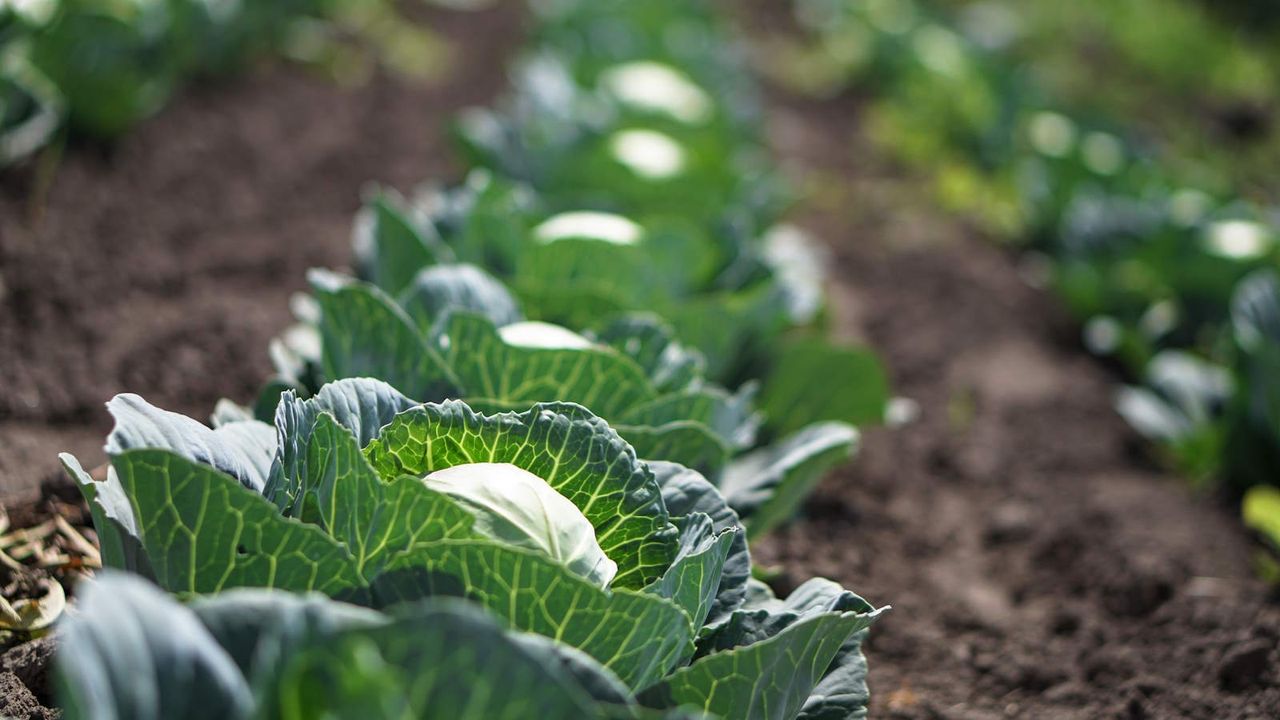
657, 87
588, 225
533, 334
648, 153
518, 508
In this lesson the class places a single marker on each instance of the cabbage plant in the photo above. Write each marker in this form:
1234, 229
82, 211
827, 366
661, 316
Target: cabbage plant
546, 519
456, 332
757, 314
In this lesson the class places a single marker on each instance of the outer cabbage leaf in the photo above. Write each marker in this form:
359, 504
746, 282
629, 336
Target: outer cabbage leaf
812, 380
435, 659
204, 532
765, 662
136, 654
113, 518
842, 693
258, 627
131, 653
365, 334
694, 577
444, 288
768, 485
637, 635
390, 248
377, 521
361, 405
687, 493
242, 450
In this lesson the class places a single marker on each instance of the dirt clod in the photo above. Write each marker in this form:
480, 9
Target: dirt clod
31, 663
17, 702
1246, 665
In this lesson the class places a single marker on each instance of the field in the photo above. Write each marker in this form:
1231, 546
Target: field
1042, 558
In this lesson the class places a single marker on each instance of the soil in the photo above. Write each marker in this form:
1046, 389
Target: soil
1038, 564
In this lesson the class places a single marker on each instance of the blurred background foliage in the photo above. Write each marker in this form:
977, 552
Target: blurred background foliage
97, 67
1128, 150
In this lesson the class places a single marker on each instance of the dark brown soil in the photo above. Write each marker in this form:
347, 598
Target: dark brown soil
1039, 567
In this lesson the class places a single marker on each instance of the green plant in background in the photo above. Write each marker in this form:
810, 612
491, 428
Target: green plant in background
100, 66
639, 572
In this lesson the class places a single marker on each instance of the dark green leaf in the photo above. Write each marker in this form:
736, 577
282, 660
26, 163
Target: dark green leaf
137, 655
768, 485
813, 380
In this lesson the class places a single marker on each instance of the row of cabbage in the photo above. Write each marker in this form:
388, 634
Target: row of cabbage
1175, 280
500, 472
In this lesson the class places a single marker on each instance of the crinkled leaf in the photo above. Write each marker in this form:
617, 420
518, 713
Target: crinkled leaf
685, 493
768, 485
374, 520
565, 445
361, 405
488, 367
242, 450
132, 653
694, 576
765, 662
